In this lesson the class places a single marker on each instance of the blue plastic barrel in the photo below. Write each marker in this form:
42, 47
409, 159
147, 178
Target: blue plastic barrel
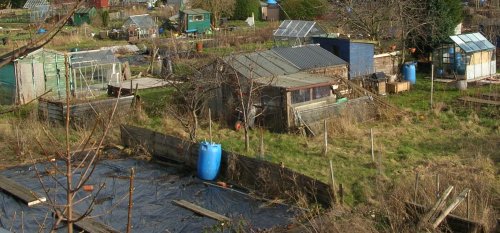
209, 157
459, 64
410, 72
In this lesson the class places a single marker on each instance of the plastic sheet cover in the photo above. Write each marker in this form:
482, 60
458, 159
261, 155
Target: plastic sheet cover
153, 211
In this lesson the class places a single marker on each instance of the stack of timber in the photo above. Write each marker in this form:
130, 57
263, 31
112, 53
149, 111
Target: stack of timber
262, 176
22, 193
129, 87
82, 113
453, 223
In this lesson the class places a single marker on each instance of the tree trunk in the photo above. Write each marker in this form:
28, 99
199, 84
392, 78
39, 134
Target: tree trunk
247, 138
194, 128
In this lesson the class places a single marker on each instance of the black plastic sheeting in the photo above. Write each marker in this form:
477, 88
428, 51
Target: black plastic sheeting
155, 188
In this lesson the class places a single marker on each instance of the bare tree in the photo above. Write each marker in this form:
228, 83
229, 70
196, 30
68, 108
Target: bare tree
191, 96
218, 8
88, 151
248, 92
371, 18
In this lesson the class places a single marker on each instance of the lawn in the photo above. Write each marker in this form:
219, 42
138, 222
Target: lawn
410, 143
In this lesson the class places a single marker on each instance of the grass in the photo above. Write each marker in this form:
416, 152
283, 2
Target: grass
422, 138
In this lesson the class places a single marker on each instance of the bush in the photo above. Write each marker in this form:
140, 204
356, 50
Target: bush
245, 8
304, 9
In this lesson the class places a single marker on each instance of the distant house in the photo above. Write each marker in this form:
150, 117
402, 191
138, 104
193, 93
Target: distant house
466, 56
140, 26
83, 15
194, 20
292, 77
296, 32
42, 72
359, 54
99, 4
269, 12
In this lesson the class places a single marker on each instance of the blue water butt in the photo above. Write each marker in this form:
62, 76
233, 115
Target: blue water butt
209, 157
459, 64
410, 72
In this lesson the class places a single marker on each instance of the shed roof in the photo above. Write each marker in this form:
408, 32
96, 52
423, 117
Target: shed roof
298, 29
281, 61
309, 56
261, 64
84, 10
195, 11
472, 42
32, 4
142, 21
92, 57
296, 80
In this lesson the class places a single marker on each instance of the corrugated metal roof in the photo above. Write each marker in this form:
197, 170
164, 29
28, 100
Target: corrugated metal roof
281, 61
195, 11
84, 10
32, 4
472, 42
295, 80
260, 64
308, 56
93, 57
298, 29
143, 21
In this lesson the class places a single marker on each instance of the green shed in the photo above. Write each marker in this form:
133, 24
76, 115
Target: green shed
31, 76
84, 15
194, 20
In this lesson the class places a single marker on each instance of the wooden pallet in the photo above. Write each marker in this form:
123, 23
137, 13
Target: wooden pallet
19, 191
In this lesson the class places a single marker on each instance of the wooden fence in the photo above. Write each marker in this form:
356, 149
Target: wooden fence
268, 179
82, 113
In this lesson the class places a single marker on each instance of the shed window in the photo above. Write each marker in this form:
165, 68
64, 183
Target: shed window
299, 96
321, 92
198, 18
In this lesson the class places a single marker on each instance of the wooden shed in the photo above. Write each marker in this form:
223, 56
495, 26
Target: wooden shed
358, 53
194, 21
466, 56
30, 76
84, 15
289, 77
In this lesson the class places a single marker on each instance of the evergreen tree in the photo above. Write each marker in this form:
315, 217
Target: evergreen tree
304, 9
245, 8
444, 16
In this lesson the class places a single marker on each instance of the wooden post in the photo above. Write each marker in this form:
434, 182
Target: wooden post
333, 181
432, 85
450, 208
261, 148
371, 138
416, 189
468, 204
437, 186
210, 124
325, 150
435, 209
131, 86
341, 193
130, 202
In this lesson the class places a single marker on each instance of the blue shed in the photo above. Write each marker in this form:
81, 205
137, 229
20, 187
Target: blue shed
359, 54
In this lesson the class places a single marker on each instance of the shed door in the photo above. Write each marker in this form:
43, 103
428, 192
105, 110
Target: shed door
25, 83
38, 79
